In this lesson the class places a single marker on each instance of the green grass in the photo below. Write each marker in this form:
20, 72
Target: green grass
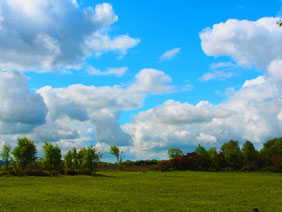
144, 191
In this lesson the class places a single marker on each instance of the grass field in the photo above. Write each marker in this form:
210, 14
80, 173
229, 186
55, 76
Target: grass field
144, 191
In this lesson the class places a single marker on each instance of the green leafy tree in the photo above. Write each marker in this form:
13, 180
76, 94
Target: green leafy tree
52, 156
271, 148
25, 152
212, 153
68, 160
249, 153
75, 158
174, 153
5, 154
232, 154
80, 155
90, 158
116, 152
201, 151
279, 23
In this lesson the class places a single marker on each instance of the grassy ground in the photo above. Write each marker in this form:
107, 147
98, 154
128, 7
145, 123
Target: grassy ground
144, 191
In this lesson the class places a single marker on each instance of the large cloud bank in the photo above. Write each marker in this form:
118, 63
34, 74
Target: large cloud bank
42, 35
252, 113
20, 109
74, 112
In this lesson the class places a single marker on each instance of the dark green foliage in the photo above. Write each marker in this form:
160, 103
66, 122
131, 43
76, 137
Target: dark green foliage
212, 153
5, 154
83, 161
68, 160
232, 154
25, 152
279, 23
271, 147
220, 161
52, 156
250, 156
201, 151
249, 152
75, 159
140, 163
174, 153
230, 159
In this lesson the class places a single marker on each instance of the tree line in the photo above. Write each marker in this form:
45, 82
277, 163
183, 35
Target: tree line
23, 160
230, 157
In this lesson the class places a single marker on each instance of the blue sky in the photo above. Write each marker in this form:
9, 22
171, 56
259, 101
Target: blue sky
197, 66
163, 25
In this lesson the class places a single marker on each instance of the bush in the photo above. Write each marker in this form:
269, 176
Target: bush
277, 163
164, 166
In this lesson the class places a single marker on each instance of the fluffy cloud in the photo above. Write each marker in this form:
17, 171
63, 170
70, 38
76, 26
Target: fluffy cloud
176, 113
77, 107
151, 81
259, 80
20, 109
275, 69
247, 42
251, 113
173, 124
100, 43
169, 54
206, 138
44, 35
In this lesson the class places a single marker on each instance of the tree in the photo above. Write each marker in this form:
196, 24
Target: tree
90, 157
271, 148
75, 158
25, 152
5, 154
52, 159
174, 153
213, 157
115, 151
68, 160
249, 153
232, 153
279, 23
201, 151
212, 153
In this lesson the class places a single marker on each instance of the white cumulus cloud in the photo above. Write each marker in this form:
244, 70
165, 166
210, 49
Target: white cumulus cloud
51, 35
20, 109
247, 42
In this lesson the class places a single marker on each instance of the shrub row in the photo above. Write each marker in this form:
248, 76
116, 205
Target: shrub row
231, 157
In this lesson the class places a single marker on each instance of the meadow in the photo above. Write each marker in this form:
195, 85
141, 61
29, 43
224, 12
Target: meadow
144, 191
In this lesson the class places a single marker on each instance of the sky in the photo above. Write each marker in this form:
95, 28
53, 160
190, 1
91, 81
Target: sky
143, 75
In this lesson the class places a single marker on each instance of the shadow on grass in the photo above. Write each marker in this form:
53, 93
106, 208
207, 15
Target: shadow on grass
102, 175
